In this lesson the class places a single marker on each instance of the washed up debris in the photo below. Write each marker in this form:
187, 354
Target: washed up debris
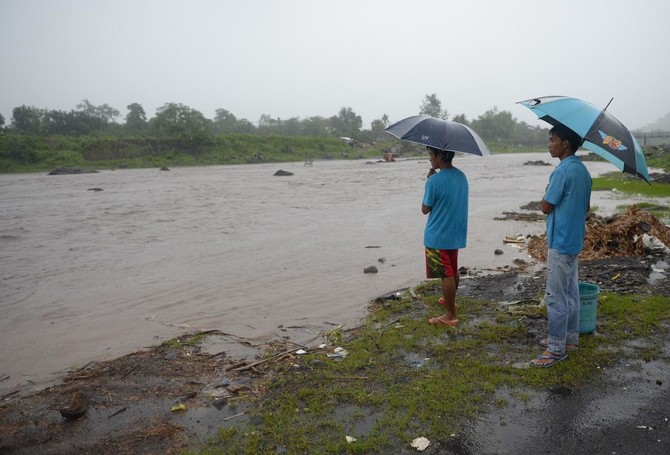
517, 239
498, 251
536, 163
338, 353
301, 352
76, 407
179, 407
115, 413
620, 235
517, 216
371, 269
420, 444
95, 189
350, 439
654, 245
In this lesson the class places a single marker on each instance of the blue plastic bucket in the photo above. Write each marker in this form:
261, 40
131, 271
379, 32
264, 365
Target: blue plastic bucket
588, 306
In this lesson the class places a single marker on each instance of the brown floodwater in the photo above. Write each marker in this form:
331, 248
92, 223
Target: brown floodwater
93, 266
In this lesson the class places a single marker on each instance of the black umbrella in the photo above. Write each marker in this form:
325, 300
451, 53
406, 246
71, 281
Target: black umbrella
440, 134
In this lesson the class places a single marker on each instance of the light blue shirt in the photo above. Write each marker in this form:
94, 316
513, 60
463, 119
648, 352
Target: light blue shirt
447, 225
569, 191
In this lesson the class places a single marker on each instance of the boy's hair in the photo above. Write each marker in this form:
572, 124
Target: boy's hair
447, 155
566, 134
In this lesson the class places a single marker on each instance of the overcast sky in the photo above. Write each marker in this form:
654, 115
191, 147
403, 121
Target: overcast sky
303, 58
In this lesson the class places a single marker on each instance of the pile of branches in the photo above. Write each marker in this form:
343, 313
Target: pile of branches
616, 236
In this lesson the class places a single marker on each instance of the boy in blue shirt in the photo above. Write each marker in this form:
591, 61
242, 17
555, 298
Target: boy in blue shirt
445, 201
566, 203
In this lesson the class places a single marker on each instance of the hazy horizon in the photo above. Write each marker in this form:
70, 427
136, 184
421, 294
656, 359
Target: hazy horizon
301, 58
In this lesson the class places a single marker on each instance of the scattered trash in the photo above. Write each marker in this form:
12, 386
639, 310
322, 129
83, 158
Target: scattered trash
654, 245
338, 353
179, 407
517, 239
420, 444
616, 277
322, 345
301, 352
350, 439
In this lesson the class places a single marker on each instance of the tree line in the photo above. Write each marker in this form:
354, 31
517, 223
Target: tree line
178, 121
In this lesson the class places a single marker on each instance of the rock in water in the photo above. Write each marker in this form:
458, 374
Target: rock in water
77, 406
282, 172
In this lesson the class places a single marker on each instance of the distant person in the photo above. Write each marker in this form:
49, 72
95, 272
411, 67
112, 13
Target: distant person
566, 203
445, 201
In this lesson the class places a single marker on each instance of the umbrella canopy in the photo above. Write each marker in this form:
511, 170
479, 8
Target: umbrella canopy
440, 134
602, 133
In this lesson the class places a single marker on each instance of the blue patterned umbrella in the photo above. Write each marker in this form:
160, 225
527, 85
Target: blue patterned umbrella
440, 134
602, 133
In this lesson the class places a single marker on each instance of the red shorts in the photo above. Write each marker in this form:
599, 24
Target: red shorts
441, 263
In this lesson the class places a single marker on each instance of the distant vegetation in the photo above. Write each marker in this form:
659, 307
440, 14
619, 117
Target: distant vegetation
92, 136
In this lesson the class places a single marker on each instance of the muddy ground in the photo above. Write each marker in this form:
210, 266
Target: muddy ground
176, 395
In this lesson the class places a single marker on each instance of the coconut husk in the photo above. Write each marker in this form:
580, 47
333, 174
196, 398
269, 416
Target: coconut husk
616, 236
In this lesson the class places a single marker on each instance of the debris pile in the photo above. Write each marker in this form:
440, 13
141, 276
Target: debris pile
616, 236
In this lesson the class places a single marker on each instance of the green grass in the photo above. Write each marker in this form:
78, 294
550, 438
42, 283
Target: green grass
403, 378
631, 186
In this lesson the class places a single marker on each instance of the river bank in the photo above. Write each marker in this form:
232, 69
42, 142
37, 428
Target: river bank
177, 395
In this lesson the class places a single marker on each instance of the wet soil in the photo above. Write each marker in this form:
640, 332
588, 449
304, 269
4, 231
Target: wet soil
175, 396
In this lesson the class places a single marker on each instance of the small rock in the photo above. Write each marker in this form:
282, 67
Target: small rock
498, 251
76, 407
164, 169
95, 189
371, 269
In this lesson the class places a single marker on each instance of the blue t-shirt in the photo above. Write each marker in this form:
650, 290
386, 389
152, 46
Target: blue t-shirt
569, 191
447, 195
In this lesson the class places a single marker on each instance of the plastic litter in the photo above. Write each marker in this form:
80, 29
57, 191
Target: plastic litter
350, 439
338, 352
420, 444
179, 407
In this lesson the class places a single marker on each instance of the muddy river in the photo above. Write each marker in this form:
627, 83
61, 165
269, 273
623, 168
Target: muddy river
93, 266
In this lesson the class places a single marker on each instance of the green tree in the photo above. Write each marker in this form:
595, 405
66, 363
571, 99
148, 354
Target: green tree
136, 119
461, 118
174, 120
495, 125
105, 113
2, 122
315, 126
346, 123
433, 106
27, 119
224, 121
378, 126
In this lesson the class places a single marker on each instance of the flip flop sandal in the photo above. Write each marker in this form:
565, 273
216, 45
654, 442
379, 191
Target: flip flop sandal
568, 347
553, 357
438, 321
